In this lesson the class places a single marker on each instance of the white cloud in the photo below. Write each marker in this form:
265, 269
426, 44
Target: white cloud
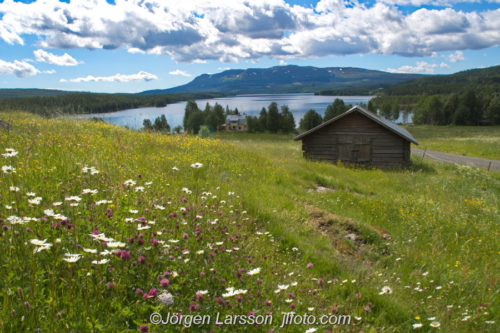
141, 76
457, 56
179, 72
283, 62
51, 71
241, 30
422, 67
18, 68
444, 65
64, 60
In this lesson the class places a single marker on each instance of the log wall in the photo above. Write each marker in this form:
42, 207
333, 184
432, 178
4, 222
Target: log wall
385, 147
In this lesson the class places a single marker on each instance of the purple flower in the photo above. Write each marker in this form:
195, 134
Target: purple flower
164, 283
310, 265
144, 329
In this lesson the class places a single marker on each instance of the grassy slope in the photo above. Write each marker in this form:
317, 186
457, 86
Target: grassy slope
481, 142
439, 218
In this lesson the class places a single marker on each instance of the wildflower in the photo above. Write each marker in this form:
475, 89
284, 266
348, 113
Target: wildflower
283, 287
175, 168
58, 203
129, 182
254, 271
293, 283
489, 321
35, 201
164, 283
435, 324
10, 152
73, 198
159, 207
311, 330
202, 292
72, 257
101, 202
310, 309
115, 244
139, 189
38, 242
417, 325
133, 211
14, 188
8, 169
466, 318
15, 220
87, 191
166, 298
310, 265
196, 165
386, 290
31, 194
200, 252
101, 262
90, 250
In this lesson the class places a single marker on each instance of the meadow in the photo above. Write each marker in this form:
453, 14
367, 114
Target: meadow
476, 141
103, 227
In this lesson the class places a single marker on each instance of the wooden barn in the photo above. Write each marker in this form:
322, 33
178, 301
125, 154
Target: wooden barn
358, 136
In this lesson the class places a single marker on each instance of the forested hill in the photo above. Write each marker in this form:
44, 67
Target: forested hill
95, 103
483, 79
287, 79
22, 93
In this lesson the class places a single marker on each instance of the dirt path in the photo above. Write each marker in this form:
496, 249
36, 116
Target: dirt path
458, 159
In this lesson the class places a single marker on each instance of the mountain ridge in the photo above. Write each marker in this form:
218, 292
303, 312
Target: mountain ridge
287, 79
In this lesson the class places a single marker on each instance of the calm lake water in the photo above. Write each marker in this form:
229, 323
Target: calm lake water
251, 105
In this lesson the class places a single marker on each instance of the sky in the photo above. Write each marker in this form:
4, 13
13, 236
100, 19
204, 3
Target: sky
131, 46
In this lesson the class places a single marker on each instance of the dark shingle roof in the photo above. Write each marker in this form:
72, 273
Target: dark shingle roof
236, 118
378, 119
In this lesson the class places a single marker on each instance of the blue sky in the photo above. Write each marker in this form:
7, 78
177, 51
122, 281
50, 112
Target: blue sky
136, 45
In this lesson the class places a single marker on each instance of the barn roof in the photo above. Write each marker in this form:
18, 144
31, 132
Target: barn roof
378, 119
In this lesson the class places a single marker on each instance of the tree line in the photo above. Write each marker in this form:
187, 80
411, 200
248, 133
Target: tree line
95, 103
211, 116
470, 108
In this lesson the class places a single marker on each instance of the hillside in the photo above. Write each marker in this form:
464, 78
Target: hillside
286, 79
22, 93
107, 229
479, 79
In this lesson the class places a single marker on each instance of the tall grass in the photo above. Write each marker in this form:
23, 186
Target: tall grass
480, 141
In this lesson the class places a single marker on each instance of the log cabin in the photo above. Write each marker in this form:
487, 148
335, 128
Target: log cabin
358, 136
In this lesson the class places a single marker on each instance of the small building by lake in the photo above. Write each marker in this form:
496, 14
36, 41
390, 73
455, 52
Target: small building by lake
358, 136
235, 122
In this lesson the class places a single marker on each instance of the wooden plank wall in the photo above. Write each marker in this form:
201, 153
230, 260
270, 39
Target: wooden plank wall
388, 148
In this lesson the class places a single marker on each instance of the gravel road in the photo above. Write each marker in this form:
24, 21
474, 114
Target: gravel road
458, 159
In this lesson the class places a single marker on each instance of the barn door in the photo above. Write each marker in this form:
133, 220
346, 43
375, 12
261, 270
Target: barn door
354, 149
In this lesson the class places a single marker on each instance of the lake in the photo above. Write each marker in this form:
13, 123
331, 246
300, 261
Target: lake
251, 105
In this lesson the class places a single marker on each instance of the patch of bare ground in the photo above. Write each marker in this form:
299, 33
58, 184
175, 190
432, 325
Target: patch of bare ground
352, 239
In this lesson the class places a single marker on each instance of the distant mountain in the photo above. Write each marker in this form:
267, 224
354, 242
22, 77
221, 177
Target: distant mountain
21, 93
286, 79
481, 79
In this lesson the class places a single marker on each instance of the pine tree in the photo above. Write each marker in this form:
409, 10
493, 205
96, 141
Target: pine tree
273, 118
311, 119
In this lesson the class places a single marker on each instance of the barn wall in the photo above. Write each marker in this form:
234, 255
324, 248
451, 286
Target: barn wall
387, 148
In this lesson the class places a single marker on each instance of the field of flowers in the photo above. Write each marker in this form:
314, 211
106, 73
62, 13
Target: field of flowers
104, 229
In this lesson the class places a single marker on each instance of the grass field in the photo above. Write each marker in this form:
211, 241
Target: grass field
476, 141
137, 226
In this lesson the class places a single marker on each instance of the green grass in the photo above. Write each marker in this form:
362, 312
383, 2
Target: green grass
439, 260
481, 141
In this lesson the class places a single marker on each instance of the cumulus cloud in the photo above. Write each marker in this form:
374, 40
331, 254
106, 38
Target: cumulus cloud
141, 76
456, 57
179, 72
422, 67
202, 30
18, 68
64, 60
444, 65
